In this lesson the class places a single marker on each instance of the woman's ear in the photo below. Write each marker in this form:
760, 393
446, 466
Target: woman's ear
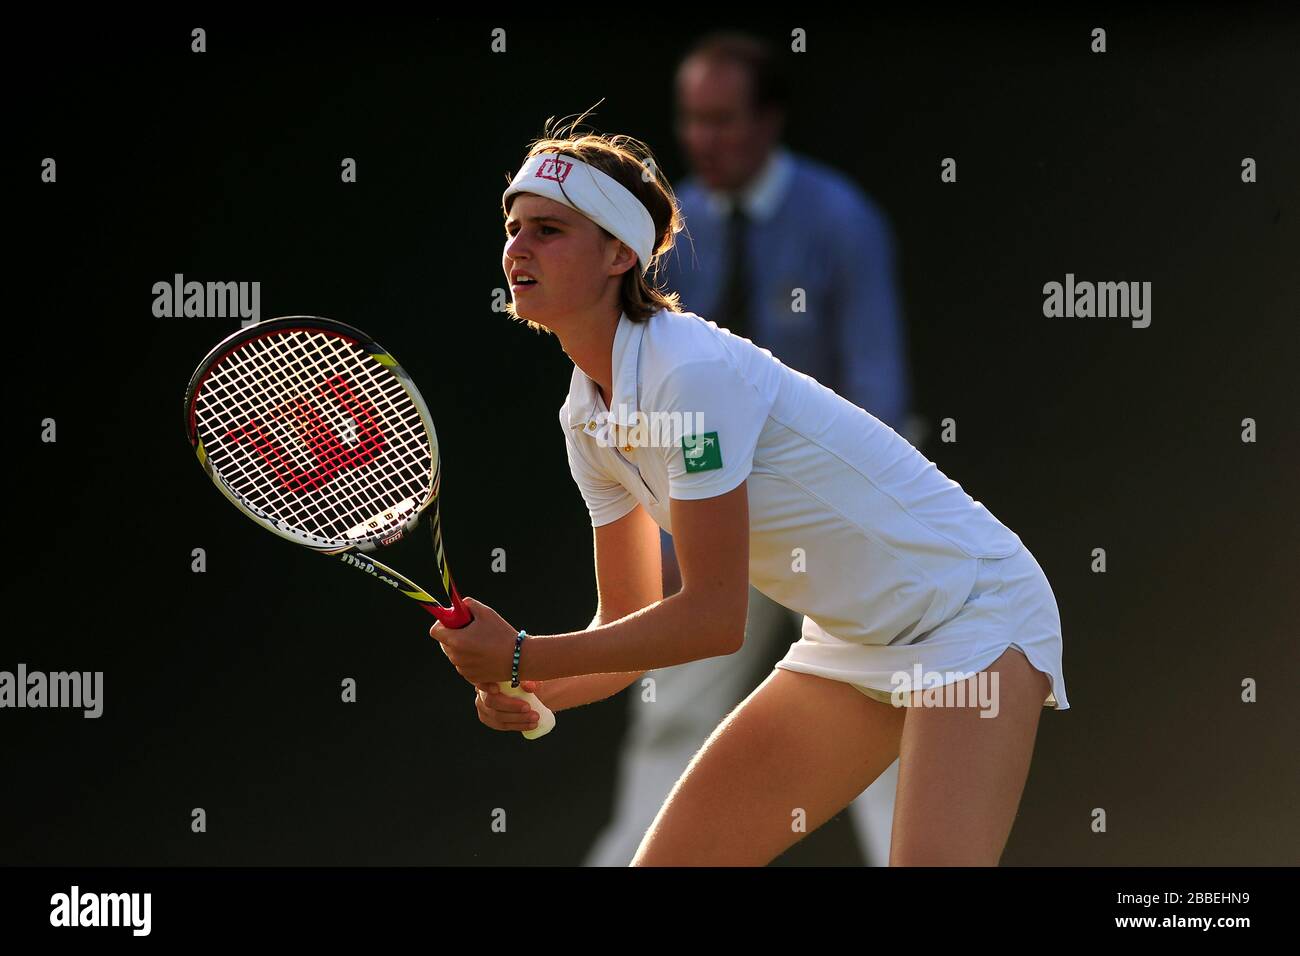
624, 260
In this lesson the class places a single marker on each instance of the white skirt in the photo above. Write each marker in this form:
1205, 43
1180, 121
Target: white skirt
1010, 605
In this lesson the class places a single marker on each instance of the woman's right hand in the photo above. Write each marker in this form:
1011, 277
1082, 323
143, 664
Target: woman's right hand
503, 712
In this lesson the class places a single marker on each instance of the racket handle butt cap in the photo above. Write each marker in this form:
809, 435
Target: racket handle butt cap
546, 719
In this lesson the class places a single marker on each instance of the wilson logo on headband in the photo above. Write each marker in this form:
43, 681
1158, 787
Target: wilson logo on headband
556, 169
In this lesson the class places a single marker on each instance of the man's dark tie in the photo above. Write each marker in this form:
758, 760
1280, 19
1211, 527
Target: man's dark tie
735, 313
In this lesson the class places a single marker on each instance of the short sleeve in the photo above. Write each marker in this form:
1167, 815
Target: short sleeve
722, 415
606, 499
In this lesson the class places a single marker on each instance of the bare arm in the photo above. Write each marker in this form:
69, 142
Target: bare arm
627, 579
706, 618
562, 693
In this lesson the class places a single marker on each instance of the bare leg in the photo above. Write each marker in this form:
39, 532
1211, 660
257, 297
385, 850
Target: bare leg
663, 734
797, 743
961, 775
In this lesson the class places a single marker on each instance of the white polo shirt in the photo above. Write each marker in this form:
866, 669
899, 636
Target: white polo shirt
849, 524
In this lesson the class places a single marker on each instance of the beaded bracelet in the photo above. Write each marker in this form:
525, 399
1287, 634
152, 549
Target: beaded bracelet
514, 669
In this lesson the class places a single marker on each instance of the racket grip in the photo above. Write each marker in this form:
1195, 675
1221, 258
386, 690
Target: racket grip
545, 719
458, 616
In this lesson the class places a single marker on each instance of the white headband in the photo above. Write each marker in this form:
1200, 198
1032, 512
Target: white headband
599, 197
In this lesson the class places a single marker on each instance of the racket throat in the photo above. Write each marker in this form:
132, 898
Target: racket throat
456, 616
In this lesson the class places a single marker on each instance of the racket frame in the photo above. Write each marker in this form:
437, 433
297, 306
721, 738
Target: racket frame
360, 552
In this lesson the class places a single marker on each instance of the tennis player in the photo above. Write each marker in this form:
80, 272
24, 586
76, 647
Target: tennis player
911, 591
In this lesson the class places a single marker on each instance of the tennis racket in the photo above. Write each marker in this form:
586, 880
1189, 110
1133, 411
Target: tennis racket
311, 429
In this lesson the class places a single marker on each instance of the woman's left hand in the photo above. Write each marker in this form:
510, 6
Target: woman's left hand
482, 651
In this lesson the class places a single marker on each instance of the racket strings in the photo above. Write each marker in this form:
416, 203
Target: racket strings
337, 502
292, 461
315, 440
314, 433
336, 499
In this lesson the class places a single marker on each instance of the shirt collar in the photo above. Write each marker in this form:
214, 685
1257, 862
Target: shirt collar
586, 409
763, 194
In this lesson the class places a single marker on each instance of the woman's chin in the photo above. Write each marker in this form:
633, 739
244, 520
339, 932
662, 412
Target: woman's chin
535, 316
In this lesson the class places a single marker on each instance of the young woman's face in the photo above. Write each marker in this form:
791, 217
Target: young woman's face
567, 255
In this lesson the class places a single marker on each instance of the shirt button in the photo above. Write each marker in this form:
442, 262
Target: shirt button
591, 426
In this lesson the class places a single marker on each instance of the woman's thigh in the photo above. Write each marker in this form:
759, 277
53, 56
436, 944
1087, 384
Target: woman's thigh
961, 774
794, 753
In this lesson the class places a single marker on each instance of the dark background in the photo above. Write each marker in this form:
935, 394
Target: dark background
222, 689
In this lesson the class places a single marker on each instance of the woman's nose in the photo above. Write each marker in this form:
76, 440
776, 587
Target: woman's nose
515, 245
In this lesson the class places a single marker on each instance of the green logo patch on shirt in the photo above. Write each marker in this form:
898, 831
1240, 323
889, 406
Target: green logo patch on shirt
702, 452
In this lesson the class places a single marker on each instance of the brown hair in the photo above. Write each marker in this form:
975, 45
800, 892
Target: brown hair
631, 164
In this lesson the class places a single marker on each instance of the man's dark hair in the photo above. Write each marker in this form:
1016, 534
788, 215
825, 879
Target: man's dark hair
769, 83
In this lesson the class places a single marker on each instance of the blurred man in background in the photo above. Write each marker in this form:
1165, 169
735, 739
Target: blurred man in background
793, 256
